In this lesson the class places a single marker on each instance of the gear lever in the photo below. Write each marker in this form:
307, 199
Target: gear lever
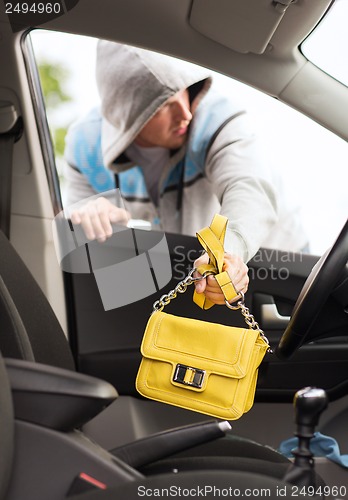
309, 404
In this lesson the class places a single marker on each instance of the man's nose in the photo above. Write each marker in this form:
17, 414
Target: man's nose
183, 111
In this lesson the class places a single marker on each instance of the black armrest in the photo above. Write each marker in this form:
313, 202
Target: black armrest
54, 397
163, 444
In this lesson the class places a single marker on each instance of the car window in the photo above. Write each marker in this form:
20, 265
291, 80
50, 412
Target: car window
327, 45
311, 160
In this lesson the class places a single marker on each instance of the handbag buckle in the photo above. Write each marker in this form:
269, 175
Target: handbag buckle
187, 375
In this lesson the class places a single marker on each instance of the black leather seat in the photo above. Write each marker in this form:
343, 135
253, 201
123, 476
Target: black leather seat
37, 463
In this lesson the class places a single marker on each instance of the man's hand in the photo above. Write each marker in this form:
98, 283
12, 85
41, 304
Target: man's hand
97, 216
237, 270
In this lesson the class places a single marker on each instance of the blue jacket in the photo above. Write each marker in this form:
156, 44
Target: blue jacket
220, 170
84, 151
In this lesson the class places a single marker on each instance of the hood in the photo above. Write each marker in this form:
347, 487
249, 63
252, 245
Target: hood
133, 84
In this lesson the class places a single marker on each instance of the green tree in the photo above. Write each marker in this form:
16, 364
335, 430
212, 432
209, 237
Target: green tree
54, 80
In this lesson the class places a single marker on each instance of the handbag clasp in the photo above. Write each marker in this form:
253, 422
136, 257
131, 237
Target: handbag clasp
187, 375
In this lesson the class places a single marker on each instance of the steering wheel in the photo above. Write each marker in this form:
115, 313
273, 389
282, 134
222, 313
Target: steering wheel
314, 294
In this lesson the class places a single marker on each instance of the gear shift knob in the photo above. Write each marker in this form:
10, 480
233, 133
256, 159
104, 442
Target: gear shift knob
309, 404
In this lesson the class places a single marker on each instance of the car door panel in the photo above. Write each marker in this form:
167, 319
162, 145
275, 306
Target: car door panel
106, 343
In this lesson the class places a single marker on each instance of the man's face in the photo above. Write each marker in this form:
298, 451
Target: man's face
168, 127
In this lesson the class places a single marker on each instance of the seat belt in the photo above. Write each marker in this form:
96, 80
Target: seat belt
11, 128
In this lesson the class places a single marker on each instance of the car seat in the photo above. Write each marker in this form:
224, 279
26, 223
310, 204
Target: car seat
40, 461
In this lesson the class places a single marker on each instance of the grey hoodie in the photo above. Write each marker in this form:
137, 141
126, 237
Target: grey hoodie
227, 171
133, 84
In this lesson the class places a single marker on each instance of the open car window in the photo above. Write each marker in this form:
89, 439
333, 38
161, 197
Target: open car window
327, 45
311, 160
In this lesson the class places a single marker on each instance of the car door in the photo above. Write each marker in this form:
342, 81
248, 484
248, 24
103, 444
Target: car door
106, 343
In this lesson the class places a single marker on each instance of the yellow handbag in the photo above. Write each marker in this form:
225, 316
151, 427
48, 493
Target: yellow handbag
205, 367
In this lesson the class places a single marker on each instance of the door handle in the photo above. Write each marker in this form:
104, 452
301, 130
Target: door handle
270, 317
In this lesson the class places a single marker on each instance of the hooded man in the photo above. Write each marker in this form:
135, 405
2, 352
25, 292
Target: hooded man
179, 152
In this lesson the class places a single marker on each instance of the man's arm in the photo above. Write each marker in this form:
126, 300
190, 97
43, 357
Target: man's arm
244, 184
76, 186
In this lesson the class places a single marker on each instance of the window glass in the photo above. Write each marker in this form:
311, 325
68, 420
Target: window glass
312, 160
327, 45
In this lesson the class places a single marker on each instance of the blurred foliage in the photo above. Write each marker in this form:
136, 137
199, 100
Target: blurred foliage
54, 80
59, 140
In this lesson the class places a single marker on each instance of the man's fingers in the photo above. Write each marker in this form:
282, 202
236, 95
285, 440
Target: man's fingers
87, 226
75, 218
238, 272
105, 227
114, 216
242, 285
96, 218
215, 296
119, 215
200, 285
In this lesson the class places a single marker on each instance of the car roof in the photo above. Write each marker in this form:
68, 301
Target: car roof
254, 41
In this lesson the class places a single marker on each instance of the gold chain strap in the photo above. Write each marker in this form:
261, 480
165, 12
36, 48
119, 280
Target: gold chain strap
181, 287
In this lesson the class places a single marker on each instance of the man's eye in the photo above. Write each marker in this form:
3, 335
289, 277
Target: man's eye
163, 108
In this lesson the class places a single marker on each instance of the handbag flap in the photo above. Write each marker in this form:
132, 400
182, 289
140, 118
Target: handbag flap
212, 347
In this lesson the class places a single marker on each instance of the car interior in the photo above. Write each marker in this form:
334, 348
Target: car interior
72, 423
